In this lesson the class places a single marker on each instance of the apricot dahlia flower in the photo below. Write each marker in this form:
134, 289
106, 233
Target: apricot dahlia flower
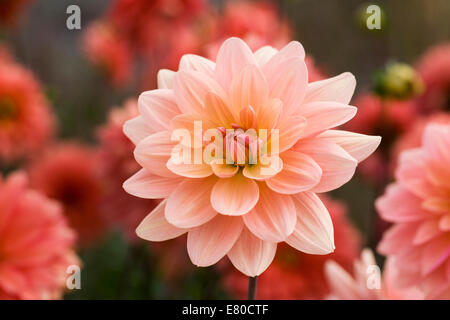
262, 150
36, 244
419, 206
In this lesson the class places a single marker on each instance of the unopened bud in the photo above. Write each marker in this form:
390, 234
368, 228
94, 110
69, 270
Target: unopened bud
398, 81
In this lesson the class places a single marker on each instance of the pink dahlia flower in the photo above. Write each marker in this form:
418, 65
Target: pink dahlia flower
419, 206
26, 122
300, 275
36, 245
367, 282
262, 146
413, 137
70, 174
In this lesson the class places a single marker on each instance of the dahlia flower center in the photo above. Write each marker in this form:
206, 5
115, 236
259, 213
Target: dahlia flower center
71, 195
240, 147
8, 110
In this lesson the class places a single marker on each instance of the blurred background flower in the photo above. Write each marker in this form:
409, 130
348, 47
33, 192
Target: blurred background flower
367, 282
36, 244
64, 95
418, 204
69, 173
26, 121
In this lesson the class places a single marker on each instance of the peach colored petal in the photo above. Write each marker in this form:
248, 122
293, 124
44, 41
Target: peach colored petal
136, 129
210, 242
197, 63
247, 117
339, 89
233, 56
400, 205
291, 129
165, 79
324, 115
292, 50
218, 112
190, 88
359, 146
248, 88
264, 54
251, 255
189, 204
288, 83
145, 184
273, 218
187, 121
158, 107
337, 165
313, 232
267, 167
184, 127
155, 227
191, 170
300, 173
223, 170
234, 196
153, 152
269, 116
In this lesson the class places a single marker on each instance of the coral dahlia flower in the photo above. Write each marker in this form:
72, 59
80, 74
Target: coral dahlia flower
36, 244
238, 149
419, 206
26, 122
70, 173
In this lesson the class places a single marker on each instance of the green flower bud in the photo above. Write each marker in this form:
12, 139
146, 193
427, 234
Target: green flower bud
398, 81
